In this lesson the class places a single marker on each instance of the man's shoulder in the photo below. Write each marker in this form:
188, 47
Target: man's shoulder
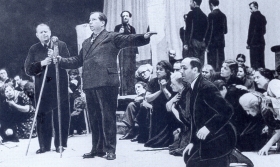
35, 46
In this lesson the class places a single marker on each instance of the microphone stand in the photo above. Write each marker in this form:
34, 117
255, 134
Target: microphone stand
37, 108
55, 54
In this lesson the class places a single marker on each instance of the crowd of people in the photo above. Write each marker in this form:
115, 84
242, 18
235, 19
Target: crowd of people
207, 113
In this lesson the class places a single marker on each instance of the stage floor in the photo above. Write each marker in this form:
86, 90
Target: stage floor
128, 155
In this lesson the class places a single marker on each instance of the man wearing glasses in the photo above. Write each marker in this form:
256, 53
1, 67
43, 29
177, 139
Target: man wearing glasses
255, 40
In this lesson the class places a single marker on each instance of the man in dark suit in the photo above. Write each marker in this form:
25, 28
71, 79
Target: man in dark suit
195, 31
215, 38
101, 81
127, 57
212, 136
183, 36
255, 40
35, 65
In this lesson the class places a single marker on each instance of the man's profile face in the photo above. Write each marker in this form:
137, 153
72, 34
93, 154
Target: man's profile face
95, 23
125, 17
253, 8
43, 33
139, 89
17, 79
186, 70
192, 5
172, 54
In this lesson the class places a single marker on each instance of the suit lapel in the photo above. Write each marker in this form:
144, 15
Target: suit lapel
194, 93
95, 43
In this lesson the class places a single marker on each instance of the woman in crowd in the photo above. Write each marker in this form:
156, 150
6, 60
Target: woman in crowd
228, 73
18, 112
77, 118
136, 113
264, 79
258, 104
243, 75
248, 128
241, 59
158, 93
208, 72
179, 106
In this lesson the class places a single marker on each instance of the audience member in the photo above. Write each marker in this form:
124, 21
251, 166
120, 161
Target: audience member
255, 40
144, 73
179, 106
255, 104
131, 115
243, 75
158, 93
248, 128
77, 116
18, 112
215, 36
19, 83
241, 59
208, 72
228, 73
212, 135
196, 29
177, 66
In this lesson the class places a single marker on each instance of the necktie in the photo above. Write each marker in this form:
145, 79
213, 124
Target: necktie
128, 28
93, 38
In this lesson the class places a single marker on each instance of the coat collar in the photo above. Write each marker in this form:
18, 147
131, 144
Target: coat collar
91, 46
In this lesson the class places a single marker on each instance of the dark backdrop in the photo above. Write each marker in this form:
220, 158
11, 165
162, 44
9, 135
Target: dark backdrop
18, 20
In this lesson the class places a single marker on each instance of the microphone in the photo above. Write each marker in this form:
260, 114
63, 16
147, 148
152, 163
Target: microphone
54, 43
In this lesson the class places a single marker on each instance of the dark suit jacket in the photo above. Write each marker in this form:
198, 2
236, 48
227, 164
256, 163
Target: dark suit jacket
99, 59
33, 67
256, 30
217, 27
130, 50
209, 109
196, 25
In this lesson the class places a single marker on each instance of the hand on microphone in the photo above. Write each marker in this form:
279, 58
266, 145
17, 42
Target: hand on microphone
47, 61
56, 59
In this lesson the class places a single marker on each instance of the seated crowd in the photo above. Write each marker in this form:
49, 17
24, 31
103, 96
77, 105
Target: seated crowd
159, 116
17, 106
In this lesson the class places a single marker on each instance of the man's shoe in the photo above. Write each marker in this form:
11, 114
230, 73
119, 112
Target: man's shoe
40, 151
110, 156
135, 138
237, 157
58, 150
92, 155
129, 135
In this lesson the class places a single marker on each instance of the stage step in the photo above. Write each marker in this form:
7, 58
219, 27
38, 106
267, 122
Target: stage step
121, 128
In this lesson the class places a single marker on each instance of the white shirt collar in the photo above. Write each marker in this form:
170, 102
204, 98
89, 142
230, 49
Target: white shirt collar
46, 43
215, 7
194, 81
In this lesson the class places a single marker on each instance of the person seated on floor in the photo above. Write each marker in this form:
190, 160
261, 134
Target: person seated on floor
248, 128
158, 94
179, 106
19, 82
144, 73
77, 117
241, 59
243, 75
208, 72
135, 116
18, 112
258, 104
177, 66
228, 73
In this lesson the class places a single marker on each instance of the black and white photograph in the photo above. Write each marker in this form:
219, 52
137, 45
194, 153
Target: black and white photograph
130, 83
